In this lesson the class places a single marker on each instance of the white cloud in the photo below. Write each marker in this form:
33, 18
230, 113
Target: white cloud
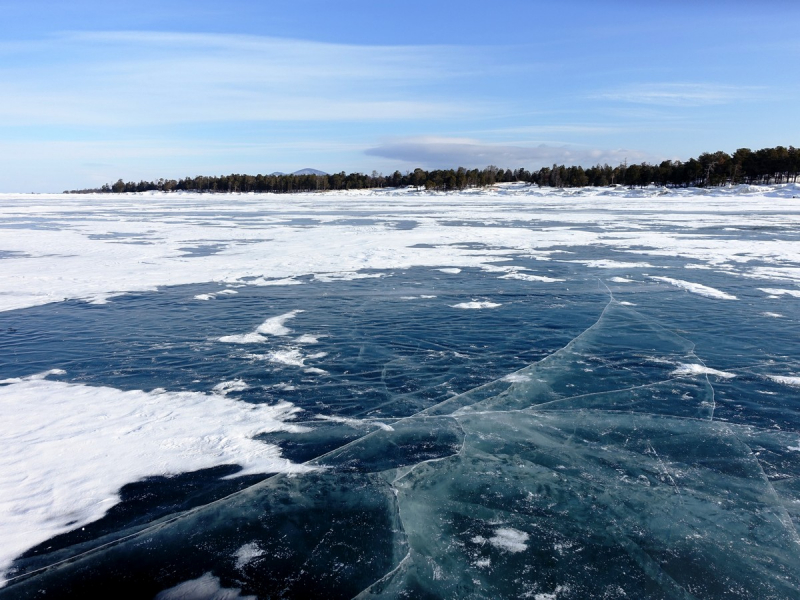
437, 152
134, 78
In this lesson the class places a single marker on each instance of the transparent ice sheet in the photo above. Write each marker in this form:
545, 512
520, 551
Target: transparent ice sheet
594, 473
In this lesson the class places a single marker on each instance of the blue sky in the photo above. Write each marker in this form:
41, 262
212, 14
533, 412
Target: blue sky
93, 91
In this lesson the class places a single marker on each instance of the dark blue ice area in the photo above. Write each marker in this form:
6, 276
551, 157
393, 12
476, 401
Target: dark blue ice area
545, 448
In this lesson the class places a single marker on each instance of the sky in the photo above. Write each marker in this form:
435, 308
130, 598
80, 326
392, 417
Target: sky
93, 91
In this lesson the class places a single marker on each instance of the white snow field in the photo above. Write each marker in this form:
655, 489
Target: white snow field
93, 247
64, 463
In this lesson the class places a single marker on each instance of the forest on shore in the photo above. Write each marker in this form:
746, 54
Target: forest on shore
765, 166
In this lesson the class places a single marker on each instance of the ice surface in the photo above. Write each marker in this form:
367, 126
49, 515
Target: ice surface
517, 378
567, 446
591, 473
359, 423
69, 448
73, 256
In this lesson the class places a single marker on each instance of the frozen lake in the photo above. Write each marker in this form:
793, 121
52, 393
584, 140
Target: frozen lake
507, 393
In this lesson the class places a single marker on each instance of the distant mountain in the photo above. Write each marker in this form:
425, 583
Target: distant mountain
300, 172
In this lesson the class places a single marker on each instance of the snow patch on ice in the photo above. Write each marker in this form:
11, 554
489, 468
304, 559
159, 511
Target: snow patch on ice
785, 380
35, 376
275, 325
247, 554
315, 371
517, 378
529, 277
272, 326
344, 276
509, 539
780, 292
356, 422
68, 449
291, 357
243, 338
612, 264
553, 596
225, 387
206, 587
475, 305
420, 297
696, 288
695, 369
262, 282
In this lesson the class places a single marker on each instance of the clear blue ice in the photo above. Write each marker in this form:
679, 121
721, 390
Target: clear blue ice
550, 447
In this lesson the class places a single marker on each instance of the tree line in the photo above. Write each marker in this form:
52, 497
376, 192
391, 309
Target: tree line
768, 165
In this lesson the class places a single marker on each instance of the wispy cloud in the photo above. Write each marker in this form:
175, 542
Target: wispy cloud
435, 152
126, 78
682, 94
